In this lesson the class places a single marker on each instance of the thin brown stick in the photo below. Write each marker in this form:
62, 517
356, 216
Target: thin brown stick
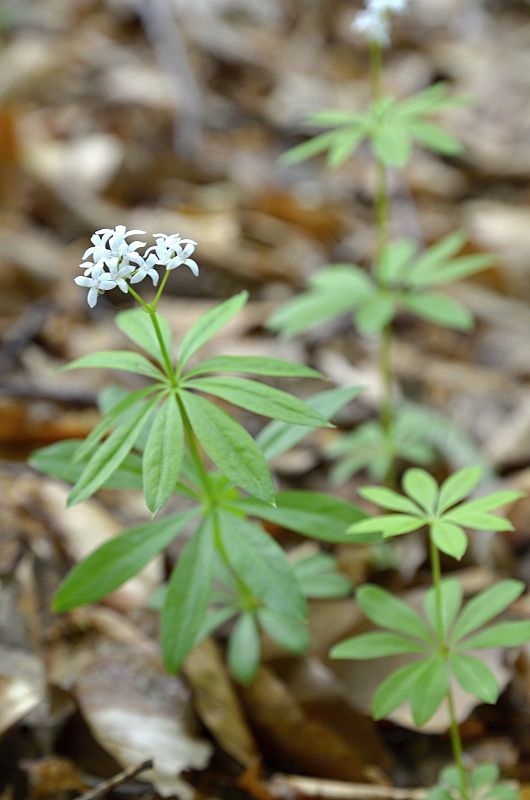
102, 788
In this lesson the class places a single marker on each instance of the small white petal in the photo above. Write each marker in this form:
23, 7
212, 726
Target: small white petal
92, 297
86, 282
193, 266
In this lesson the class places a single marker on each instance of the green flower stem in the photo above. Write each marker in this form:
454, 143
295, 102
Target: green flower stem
382, 214
456, 739
150, 308
161, 288
244, 590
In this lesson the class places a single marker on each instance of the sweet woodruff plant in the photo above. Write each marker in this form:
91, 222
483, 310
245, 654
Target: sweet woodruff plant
169, 439
444, 640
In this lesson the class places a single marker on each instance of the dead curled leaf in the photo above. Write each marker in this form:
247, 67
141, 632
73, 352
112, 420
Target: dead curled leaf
137, 712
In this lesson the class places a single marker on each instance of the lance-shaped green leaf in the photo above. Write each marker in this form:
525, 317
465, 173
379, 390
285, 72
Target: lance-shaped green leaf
435, 138
438, 308
163, 454
208, 325
429, 691
397, 688
116, 414
318, 577
427, 101
431, 261
475, 677
484, 775
387, 525
391, 143
290, 632
261, 399
449, 538
230, 447
59, 461
422, 488
376, 312
187, 597
313, 147
451, 603
394, 263
458, 486
254, 365
485, 606
123, 360
387, 498
377, 644
387, 611
244, 649
504, 634
138, 327
109, 456
314, 514
310, 309
118, 560
262, 565
278, 437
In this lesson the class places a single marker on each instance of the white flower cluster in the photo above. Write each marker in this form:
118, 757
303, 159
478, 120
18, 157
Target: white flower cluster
374, 20
115, 262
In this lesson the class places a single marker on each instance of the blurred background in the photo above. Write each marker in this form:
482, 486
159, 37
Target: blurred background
170, 115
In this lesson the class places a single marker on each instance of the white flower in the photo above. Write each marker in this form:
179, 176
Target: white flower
146, 268
172, 251
112, 243
97, 285
374, 25
384, 6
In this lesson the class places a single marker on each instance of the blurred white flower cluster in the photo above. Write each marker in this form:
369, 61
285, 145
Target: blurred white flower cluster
115, 262
373, 21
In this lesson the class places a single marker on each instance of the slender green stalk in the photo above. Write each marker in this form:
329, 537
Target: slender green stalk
382, 214
456, 739
150, 308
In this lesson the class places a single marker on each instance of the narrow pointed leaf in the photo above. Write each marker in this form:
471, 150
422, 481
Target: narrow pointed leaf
430, 691
254, 365
123, 360
397, 688
118, 560
187, 597
230, 447
387, 611
163, 454
289, 632
458, 486
386, 498
504, 634
208, 325
138, 327
376, 312
439, 308
449, 538
485, 606
244, 649
109, 456
261, 399
378, 644
475, 677
421, 487
451, 603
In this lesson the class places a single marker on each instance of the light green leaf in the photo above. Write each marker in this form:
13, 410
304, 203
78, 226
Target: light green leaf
430, 691
490, 501
230, 447
289, 632
439, 308
115, 413
435, 138
458, 486
504, 634
387, 611
138, 327
386, 498
466, 516
430, 262
484, 775
187, 597
486, 605
263, 565
244, 649
387, 524
422, 488
395, 261
325, 586
397, 688
254, 365
118, 560
378, 644
376, 312
344, 145
392, 144
427, 101
109, 456
334, 117
123, 360
59, 461
456, 270
208, 325
278, 437
260, 398
309, 309
449, 538
475, 677
313, 147
163, 454
451, 603
320, 516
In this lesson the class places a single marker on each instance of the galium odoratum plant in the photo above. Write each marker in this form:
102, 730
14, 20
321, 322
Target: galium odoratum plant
164, 438
402, 279
446, 639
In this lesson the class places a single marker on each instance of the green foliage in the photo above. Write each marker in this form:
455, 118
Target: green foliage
425, 682
390, 125
402, 280
438, 509
483, 784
